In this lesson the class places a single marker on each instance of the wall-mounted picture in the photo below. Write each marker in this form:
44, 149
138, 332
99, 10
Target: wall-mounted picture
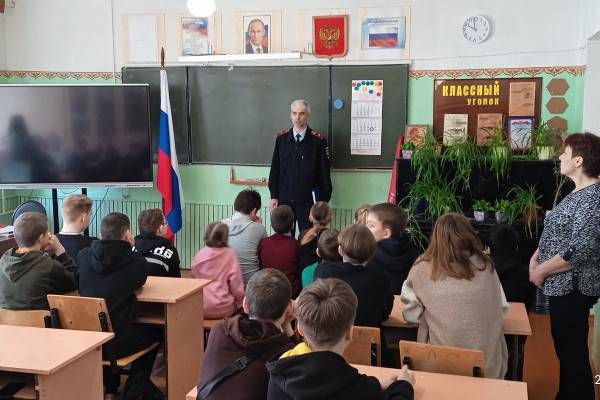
194, 36
415, 133
383, 33
519, 133
521, 99
455, 128
256, 35
486, 123
330, 36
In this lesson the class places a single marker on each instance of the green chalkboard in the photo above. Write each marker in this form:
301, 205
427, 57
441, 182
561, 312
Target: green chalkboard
235, 112
395, 94
177, 93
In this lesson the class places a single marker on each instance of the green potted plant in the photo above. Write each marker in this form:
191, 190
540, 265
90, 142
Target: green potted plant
542, 141
499, 153
425, 160
464, 155
503, 209
480, 209
407, 149
438, 195
526, 203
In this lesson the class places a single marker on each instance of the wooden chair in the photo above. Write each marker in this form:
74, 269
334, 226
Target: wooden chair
365, 348
89, 314
442, 359
33, 318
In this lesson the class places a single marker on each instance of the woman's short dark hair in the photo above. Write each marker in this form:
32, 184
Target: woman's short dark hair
586, 146
216, 235
246, 201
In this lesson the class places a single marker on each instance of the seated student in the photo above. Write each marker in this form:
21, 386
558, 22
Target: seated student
320, 216
218, 262
395, 252
27, 275
360, 215
327, 250
109, 269
153, 244
279, 250
316, 369
371, 285
246, 230
454, 294
261, 335
77, 214
503, 242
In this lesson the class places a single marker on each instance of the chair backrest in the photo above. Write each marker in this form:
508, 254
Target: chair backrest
28, 206
80, 313
34, 318
442, 359
365, 348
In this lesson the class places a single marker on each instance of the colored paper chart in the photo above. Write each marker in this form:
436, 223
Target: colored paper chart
366, 117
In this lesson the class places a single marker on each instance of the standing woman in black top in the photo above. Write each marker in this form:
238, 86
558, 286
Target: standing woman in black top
567, 264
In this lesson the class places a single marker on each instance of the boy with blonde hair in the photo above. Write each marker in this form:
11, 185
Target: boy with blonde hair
77, 214
316, 368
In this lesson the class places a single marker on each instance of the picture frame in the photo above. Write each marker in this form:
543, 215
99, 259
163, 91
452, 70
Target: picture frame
256, 35
330, 36
415, 133
194, 36
383, 33
520, 132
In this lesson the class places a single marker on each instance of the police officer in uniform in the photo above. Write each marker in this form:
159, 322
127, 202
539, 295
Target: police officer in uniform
300, 169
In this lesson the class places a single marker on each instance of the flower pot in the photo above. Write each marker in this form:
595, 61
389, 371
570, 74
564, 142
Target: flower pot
501, 217
545, 152
479, 216
407, 154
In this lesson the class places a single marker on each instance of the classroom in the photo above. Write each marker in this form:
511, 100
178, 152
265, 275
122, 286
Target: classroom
390, 199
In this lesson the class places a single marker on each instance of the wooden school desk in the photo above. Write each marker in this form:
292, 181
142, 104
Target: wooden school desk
516, 324
67, 364
176, 303
430, 386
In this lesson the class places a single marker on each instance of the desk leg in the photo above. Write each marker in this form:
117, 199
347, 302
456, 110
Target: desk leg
80, 379
184, 344
515, 357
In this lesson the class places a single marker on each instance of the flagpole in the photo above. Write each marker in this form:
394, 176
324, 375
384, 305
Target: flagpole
162, 58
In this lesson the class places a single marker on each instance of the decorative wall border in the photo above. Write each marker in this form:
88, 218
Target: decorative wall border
60, 74
495, 72
416, 74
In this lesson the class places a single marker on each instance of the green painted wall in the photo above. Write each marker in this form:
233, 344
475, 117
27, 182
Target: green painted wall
209, 184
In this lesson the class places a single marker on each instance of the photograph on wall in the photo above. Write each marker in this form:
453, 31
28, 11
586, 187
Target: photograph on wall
455, 128
415, 134
194, 36
257, 34
519, 133
383, 33
521, 99
486, 123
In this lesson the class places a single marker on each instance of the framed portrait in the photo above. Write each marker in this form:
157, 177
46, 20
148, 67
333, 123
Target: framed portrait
415, 133
256, 36
519, 132
383, 33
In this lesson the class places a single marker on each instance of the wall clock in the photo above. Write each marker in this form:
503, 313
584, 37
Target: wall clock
476, 29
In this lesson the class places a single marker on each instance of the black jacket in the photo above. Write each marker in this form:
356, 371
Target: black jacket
298, 169
73, 244
371, 286
111, 270
326, 375
235, 337
162, 256
396, 257
514, 277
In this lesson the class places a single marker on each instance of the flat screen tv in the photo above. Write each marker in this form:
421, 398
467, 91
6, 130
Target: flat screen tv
75, 136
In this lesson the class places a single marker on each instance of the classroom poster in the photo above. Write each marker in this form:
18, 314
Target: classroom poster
519, 133
521, 99
455, 128
194, 36
383, 33
366, 117
486, 122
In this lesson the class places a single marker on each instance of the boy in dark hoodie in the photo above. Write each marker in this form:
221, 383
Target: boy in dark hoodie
263, 333
110, 269
316, 369
39, 266
395, 253
77, 214
152, 243
327, 250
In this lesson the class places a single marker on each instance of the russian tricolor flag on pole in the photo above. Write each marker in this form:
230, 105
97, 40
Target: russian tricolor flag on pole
168, 181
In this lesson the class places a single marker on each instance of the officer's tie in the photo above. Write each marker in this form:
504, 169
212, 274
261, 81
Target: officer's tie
297, 139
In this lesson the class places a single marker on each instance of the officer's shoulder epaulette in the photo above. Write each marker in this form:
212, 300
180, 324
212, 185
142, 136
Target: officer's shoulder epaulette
281, 133
317, 134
